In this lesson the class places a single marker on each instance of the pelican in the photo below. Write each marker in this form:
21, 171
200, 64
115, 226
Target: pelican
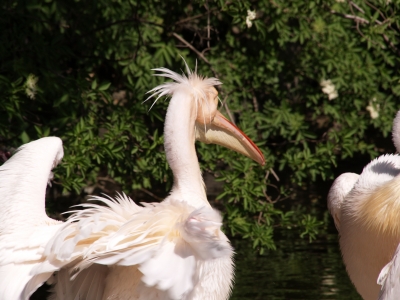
366, 211
174, 249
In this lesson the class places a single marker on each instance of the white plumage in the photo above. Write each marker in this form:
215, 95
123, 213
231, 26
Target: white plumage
368, 210
25, 228
167, 243
120, 250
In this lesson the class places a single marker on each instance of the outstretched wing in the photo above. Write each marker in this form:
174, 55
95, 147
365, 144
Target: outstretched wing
23, 181
25, 228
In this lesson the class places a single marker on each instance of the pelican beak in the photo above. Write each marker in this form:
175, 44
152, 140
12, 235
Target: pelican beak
223, 132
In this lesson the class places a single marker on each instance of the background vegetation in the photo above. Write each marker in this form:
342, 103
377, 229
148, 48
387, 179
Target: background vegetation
314, 83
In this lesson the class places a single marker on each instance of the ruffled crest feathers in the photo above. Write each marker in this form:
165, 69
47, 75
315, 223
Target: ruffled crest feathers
192, 83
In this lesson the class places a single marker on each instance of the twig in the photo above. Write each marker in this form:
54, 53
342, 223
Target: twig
376, 9
264, 190
106, 179
357, 7
266, 176
359, 30
273, 173
255, 103
352, 17
189, 19
228, 111
193, 18
268, 197
393, 46
365, 21
191, 47
259, 217
208, 27
151, 194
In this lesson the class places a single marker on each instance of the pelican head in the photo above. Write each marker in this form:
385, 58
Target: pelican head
193, 115
211, 127
338, 192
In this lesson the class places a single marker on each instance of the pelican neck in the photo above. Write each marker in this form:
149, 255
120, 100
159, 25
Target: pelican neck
179, 144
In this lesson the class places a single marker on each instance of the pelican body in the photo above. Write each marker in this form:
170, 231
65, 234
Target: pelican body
174, 249
366, 210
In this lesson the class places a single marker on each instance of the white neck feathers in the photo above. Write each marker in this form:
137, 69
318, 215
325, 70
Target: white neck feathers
179, 135
179, 131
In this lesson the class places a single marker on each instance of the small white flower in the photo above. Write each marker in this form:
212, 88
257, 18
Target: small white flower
31, 86
251, 15
373, 108
329, 88
333, 95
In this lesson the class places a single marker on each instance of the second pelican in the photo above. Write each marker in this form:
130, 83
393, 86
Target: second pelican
366, 210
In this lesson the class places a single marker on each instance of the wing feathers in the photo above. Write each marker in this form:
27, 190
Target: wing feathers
202, 231
23, 181
171, 269
88, 285
166, 240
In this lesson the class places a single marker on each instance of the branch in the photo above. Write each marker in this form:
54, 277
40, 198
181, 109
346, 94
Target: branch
151, 194
393, 46
255, 103
357, 7
351, 17
191, 47
273, 173
376, 9
194, 17
228, 111
208, 29
359, 20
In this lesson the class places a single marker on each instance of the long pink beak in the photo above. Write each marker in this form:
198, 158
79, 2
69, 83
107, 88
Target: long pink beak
222, 132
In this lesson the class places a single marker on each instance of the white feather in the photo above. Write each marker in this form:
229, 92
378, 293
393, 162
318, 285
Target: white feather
25, 228
389, 278
396, 132
193, 85
158, 237
338, 193
88, 285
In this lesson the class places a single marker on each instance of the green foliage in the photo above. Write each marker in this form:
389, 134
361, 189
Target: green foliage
313, 83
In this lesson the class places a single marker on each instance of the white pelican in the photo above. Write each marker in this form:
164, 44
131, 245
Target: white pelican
366, 210
169, 250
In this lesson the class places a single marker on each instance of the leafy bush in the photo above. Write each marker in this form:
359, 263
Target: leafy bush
314, 83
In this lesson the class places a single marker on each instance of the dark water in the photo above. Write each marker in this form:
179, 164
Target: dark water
296, 270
